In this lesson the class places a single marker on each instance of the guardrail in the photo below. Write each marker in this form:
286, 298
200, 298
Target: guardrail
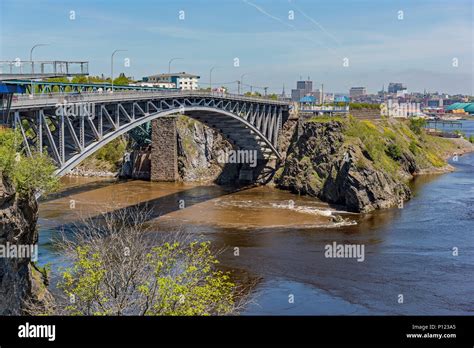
37, 100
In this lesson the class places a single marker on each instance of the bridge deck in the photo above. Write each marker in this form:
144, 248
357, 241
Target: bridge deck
70, 127
29, 102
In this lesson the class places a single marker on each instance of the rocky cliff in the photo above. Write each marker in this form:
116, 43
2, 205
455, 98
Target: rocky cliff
20, 280
361, 165
198, 153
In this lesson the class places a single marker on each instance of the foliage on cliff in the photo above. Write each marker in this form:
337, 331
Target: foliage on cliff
361, 164
29, 174
107, 158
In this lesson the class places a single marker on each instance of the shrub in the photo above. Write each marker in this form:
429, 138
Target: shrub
394, 151
417, 124
112, 152
413, 147
118, 269
29, 174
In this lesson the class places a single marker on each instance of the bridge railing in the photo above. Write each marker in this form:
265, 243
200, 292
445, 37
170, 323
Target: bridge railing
55, 98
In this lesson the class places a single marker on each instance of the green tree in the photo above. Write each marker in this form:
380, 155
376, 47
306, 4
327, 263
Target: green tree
117, 269
122, 80
417, 124
29, 174
394, 151
80, 79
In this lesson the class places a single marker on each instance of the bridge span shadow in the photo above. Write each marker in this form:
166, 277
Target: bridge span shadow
155, 207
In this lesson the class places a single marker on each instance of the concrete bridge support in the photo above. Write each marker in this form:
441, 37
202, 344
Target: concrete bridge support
164, 150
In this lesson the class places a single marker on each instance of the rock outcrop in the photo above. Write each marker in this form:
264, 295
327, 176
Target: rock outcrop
198, 153
321, 163
20, 280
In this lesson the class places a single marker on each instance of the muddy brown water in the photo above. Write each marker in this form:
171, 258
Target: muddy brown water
281, 239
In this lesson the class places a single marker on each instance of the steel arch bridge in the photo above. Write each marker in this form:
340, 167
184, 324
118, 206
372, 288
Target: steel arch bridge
71, 128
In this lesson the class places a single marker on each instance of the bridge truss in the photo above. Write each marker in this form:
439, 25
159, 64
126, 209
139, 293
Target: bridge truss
70, 128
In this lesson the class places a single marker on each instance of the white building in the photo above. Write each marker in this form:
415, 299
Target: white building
394, 109
180, 80
154, 84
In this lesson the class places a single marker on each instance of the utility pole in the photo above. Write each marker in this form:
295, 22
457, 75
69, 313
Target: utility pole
265, 89
322, 94
210, 77
241, 83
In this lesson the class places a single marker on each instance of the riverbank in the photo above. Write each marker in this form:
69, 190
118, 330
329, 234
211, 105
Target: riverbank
83, 171
281, 239
459, 148
363, 165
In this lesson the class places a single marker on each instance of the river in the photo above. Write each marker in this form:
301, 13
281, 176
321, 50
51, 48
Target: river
282, 237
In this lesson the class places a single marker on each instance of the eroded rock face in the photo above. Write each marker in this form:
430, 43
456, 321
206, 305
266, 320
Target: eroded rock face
198, 153
361, 189
20, 281
320, 164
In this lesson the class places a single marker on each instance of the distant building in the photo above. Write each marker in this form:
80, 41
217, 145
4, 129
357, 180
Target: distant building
306, 86
328, 97
317, 94
297, 94
154, 84
396, 87
303, 88
180, 80
434, 103
393, 108
309, 99
355, 92
341, 99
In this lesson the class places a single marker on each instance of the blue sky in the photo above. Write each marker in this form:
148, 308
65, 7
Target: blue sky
272, 49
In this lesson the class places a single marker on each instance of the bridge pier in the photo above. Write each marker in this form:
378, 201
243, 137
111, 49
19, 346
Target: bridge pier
164, 150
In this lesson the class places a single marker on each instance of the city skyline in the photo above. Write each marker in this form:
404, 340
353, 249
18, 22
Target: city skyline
275, 42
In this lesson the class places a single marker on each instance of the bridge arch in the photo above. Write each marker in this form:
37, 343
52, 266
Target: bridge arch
247, 137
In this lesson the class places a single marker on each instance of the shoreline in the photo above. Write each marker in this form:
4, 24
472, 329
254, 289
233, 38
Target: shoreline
464, 147
90, 173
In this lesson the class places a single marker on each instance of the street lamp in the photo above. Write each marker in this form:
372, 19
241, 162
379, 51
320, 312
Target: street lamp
169, 63
31, 55
112, 66
210, 76
241, 78
32, 65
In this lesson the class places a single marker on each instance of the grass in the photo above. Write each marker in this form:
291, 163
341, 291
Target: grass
326, 119
374, 141
387, 140
360, 106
